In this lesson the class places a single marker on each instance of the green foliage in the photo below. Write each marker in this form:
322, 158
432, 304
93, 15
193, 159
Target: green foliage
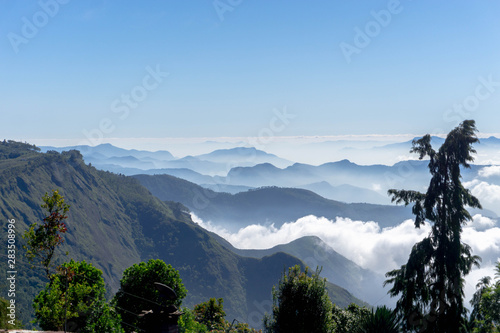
121, 223
102, 318
42, 241
485, 314
137, 291
10, 149
431, 283
188, 324
382, 320
75, 300
350, 319
211, 313
300, 304
6, 320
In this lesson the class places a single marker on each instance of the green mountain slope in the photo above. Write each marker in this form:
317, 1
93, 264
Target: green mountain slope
336, 268
115, 222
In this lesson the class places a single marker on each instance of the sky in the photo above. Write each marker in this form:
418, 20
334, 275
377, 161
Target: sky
95, 71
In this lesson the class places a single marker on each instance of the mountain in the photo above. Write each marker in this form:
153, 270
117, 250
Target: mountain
411, 174
335, 173
335, 267
183, 173
218, 162
115, 222
108, 150
264, 205
244, 156
346, 193
233, 189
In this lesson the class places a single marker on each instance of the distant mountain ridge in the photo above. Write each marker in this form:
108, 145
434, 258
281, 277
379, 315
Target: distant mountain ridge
115, 222
343, 180
218, 162
264, 205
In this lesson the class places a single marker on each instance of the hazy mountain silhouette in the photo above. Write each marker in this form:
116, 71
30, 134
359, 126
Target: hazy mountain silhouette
115, 222
265, 205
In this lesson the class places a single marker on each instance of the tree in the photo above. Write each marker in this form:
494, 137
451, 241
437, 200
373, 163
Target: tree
188, 324
75, 300
350, 319
300, 304
8, 318
431, 282
211, 313
137, 291
42, 241
486, 304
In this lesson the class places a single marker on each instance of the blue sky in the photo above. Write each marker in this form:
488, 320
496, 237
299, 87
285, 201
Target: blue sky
67, 68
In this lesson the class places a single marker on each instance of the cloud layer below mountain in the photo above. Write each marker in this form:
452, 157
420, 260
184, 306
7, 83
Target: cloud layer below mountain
365, 243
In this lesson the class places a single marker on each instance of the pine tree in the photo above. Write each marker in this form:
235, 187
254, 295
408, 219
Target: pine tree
431, 282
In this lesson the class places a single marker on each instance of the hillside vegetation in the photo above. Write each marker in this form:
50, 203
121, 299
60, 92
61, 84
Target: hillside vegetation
115, 222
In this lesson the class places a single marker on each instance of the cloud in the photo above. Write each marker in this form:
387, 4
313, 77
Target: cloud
365, 243
481, 223
488, 194
490, 171
368, 245
362, 242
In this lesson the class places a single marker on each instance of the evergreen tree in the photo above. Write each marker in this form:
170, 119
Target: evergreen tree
431, 282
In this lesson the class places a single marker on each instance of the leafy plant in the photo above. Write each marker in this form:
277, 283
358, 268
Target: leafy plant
485, 314
211, 313
350, 319
382, 320
137, 291
75, 300
300, 303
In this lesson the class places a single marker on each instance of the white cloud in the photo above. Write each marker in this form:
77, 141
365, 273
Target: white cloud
488, 194
480, 222
485, 243
490, 171
362, 242
365, 243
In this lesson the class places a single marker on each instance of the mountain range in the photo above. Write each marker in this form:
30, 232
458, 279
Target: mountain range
115, 222
265, 205
239, 169
218, 162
